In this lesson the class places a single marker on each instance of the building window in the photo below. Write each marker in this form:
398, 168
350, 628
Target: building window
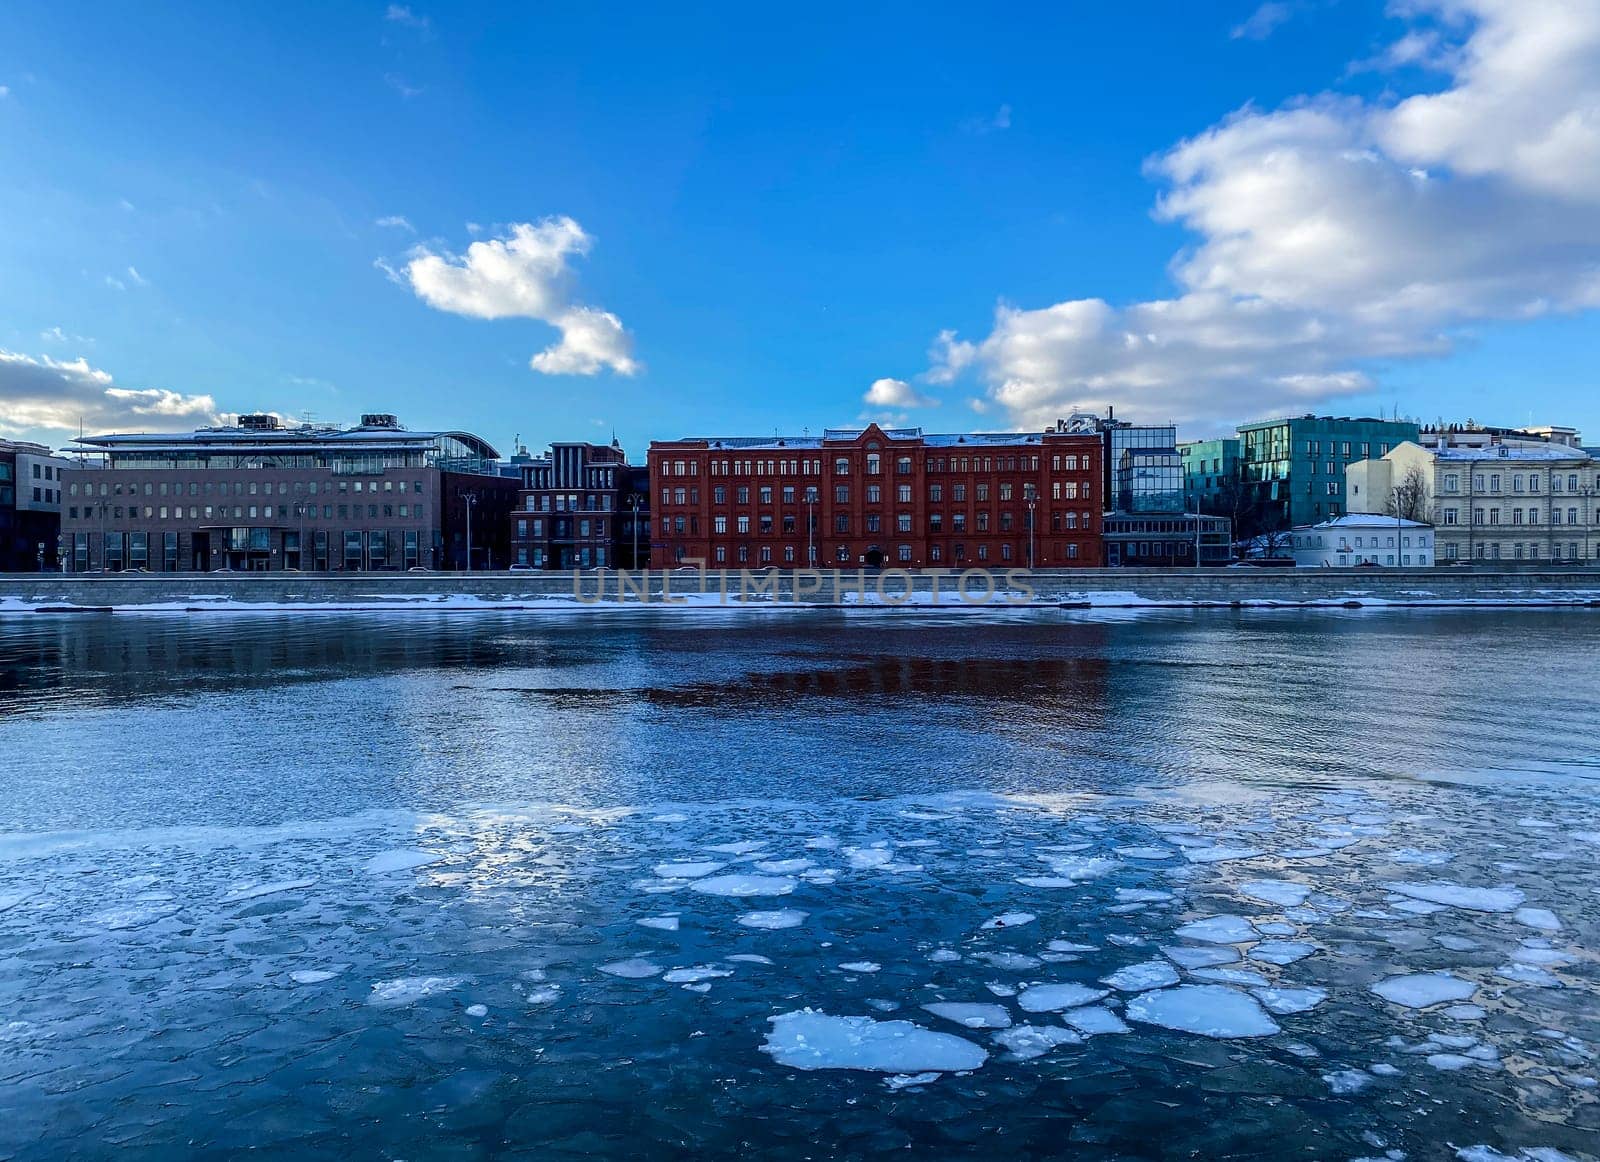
905, 552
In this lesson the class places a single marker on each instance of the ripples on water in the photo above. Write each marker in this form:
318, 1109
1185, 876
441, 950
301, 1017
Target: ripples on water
292, 882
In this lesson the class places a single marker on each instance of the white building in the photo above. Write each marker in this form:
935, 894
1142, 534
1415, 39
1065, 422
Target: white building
1363, 539
1504, 499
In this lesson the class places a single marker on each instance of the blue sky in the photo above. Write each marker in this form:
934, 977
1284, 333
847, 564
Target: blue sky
747, 218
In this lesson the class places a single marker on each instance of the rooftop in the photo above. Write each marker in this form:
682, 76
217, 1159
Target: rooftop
893, 435
1365, 520
1513, 452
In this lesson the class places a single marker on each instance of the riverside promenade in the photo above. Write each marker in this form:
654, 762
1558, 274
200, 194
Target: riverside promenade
691, 588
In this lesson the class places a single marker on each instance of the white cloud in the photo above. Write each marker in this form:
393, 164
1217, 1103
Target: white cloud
526, 274
138, 278
398, 222
1000, 119
402, 86
44, 395
401, 14
1335, 233
896, 393
5, 91
1263, 21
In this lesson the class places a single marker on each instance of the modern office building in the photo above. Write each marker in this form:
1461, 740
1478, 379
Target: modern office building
582, 506
259, 495
1211, 473
30, 506
1145, 524
1294, 468
1516, 498
1165, 540
876, 496
1363, 539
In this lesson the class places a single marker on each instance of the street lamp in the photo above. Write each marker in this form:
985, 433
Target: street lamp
635, 499
811, 527
471, 499
1032, 505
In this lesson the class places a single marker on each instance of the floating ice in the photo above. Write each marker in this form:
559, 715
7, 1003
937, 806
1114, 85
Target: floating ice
1220, 854
901, 1081
311, 975
743, 848
1152, 974
1281, 892
634, 968
1422, 858
1421, 989
1201, 957
694, 975
402, 859
1010, 920
972, 1015
663, 923
1145, 852
1010, 961
1219, 930
1242, 976
864, 966
810, 1040
1465, 1012
674, 817
780, 918
783, 867
944, 955
1275, 928
1142, 896
1092, 1020
477, 1010
867, 858
1455, 943
751, 958
1541, 918
1347, 1081
1501, 899
1281, 951
409, 989
742, 886
1207, 1009
1290, 1000
256, 891
1069, 946
687, 871
1528, 974
1052, 998
1029, 1041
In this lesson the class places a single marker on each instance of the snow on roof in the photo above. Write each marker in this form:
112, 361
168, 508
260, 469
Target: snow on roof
1364, 520
1513, 452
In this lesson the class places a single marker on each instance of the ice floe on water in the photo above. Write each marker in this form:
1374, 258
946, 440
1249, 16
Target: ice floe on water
1206, 1009
1137, 977
1419, 990
660, 923
1219, 930
813, 1040
402, 859
775, 919
1500, 899
1025, 1042
688, 870
634, 968
974, 1015
1281, 892
1052, 998
411, 989
743, 886
1009, 920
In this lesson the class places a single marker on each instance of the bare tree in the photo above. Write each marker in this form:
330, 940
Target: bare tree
1412, 498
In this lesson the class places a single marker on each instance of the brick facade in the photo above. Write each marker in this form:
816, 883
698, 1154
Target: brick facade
876, 496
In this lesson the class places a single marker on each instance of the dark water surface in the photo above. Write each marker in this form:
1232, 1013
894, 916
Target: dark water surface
369, 886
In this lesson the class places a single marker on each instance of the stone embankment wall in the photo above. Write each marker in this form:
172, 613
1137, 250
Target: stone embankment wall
691, 589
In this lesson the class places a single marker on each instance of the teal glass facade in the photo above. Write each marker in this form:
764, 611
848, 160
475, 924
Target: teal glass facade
1209, 466
1295, 467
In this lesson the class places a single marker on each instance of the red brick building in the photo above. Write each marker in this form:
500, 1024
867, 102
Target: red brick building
894, 497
